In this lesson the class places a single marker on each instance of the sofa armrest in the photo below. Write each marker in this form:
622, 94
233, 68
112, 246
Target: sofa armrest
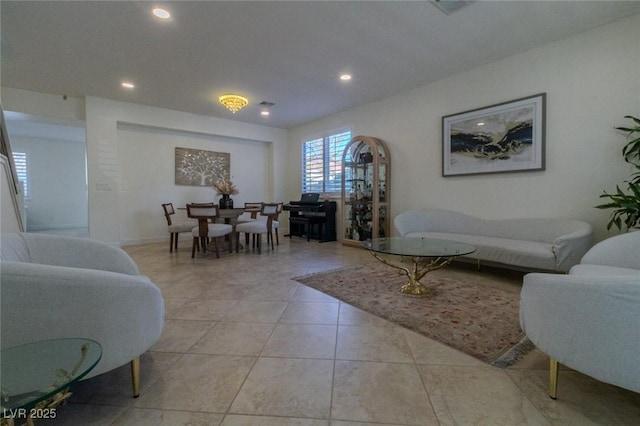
78, 253
123, 313
588, 323
620, 251
568, 249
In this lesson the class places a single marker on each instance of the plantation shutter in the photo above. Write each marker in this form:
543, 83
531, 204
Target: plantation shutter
20, 161
322, 163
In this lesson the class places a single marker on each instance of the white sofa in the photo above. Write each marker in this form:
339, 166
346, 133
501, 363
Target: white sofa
57, 287
550, 244
589, 319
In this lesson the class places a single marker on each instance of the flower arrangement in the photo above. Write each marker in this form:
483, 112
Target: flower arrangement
225, 187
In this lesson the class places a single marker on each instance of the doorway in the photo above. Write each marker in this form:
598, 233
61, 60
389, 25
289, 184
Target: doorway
54, 153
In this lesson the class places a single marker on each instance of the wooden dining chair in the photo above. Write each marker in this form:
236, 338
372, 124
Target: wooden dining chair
175, 227
275, 224
251, 211
258, 227
207, 228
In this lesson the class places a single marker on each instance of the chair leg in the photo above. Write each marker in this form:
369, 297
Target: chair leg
270, 235
553, 378
259, 242
171, 243
193, 248
277, 239
175, 241
215, 242
135, 376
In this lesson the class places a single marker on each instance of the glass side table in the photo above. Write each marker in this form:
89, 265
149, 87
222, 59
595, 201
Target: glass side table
35, 377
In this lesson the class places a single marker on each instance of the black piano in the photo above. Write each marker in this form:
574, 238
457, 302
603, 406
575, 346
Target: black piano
311, 218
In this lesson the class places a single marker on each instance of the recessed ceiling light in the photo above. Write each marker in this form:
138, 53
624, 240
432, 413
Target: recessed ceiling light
480, 123
128, 85
345, 77
161, 13
265, 113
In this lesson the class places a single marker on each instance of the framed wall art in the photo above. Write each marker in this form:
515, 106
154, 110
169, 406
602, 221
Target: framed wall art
507, 137
198, 167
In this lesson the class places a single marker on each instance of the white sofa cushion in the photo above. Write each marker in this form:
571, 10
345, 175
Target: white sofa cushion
603, 270
530, 254
554, 244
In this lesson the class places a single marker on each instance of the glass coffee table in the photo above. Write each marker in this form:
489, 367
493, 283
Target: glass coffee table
426, 254
36, 376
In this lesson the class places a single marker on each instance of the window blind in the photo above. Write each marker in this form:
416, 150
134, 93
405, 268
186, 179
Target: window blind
322, 163
20, 161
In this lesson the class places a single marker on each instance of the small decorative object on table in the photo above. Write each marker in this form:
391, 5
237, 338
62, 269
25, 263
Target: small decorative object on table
225, 188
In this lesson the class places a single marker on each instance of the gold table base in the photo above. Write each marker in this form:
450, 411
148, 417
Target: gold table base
421, 267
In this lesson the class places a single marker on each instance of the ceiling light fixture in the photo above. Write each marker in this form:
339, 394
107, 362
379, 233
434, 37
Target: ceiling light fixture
161, 13
233, 103
345, 77
449, 6
128, 85
266, 105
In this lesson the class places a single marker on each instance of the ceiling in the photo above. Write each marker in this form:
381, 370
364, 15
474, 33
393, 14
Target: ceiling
287, 53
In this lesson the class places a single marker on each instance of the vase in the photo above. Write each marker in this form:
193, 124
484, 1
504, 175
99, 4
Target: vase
225, 202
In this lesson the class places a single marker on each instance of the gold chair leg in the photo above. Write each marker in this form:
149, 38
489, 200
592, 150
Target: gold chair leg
553, 378
135, 376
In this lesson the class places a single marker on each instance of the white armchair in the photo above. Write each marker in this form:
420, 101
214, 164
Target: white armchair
56, 287
589, 320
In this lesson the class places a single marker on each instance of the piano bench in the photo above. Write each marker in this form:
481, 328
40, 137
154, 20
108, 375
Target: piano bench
303, 226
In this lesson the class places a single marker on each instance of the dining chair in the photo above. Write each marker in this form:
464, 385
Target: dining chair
275, 224
258, 227
251, 211
207, 228
175, 227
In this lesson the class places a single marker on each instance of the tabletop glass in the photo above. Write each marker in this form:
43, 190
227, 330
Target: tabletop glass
37, 371
418, 247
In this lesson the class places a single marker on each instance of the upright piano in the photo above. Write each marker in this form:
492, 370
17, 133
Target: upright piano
311, 218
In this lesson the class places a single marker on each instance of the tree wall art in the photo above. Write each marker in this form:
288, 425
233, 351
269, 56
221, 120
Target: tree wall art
198, 167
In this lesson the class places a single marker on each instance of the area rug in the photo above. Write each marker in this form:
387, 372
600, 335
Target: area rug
474, 312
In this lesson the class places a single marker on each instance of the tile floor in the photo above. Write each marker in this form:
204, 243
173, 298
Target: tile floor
244, 344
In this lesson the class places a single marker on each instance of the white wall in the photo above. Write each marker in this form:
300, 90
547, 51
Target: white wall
57, 183
147, 176
123, 202
591, 81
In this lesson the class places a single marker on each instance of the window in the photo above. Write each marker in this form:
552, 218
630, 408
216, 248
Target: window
20, 160
322, 163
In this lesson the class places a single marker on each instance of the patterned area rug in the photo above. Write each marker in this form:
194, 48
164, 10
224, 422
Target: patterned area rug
474, 312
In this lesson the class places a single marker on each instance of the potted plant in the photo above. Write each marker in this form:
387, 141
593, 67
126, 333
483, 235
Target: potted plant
626, 203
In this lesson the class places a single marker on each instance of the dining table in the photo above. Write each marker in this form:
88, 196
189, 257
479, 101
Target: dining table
229, 216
